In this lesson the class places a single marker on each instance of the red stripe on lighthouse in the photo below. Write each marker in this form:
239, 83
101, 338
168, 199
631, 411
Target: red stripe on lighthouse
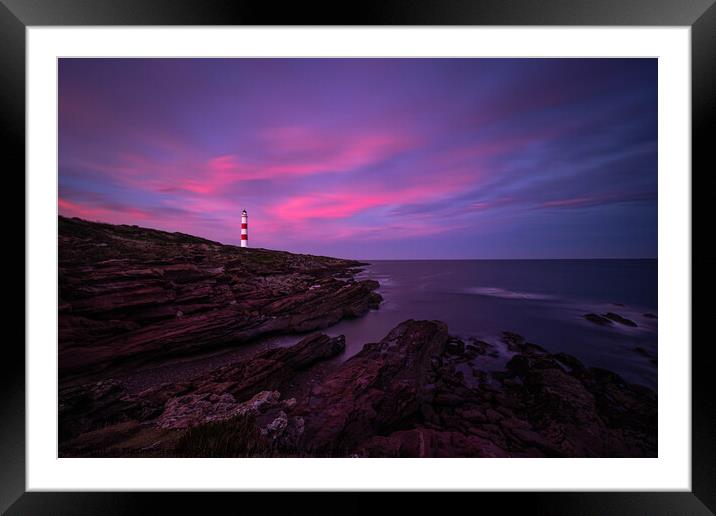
244, 225
244, 237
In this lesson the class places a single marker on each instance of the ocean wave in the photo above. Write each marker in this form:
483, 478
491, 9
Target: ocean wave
383, 280
506, 294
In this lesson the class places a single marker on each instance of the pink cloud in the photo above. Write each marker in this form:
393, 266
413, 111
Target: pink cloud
113, 214
301, 152
293, 152
339, 204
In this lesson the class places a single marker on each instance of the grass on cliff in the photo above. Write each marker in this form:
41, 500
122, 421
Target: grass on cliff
239, 437
236, 437
85, 242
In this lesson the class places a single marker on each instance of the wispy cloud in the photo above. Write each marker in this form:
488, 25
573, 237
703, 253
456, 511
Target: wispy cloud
324, 152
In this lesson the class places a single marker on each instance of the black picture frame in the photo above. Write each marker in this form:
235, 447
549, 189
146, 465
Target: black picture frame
700, 15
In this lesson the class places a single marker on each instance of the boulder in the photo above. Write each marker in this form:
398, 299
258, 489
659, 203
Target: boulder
381, 386
455, 346
619, 319
598, 319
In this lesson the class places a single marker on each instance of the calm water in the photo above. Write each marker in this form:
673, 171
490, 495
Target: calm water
543, 300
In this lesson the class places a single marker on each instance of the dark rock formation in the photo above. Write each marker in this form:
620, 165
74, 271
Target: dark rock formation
405, 396
271, 369
208, 397
608, 318
428, 442
542, 404
621, 320
130, 295
85, 407
598, 319
376, 389
455, 346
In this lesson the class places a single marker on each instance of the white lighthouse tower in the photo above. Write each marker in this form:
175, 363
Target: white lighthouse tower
244, 229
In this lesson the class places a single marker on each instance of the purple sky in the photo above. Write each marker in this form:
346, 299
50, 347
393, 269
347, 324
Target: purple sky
369, 158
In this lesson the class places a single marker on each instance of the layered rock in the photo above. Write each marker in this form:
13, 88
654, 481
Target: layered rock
419, 392
131, 295
383, 385
271, 369
220, 394
540, 405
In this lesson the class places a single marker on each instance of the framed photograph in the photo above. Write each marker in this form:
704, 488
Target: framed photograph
439, 248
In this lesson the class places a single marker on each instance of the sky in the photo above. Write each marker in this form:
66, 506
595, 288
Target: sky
369, 158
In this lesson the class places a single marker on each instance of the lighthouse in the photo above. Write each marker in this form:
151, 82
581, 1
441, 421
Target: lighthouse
244, 229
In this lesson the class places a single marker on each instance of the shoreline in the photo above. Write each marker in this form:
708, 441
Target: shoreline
199, 318
417, 383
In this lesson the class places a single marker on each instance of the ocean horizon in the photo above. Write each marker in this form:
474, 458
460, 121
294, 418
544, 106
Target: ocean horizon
486, 259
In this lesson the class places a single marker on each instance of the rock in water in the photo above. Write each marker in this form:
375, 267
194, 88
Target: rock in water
608, 318
598, 319
407, 396
621, 320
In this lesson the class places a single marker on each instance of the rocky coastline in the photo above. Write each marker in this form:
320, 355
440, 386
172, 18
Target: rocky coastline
132, 297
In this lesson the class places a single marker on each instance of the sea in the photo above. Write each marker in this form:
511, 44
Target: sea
543, 300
